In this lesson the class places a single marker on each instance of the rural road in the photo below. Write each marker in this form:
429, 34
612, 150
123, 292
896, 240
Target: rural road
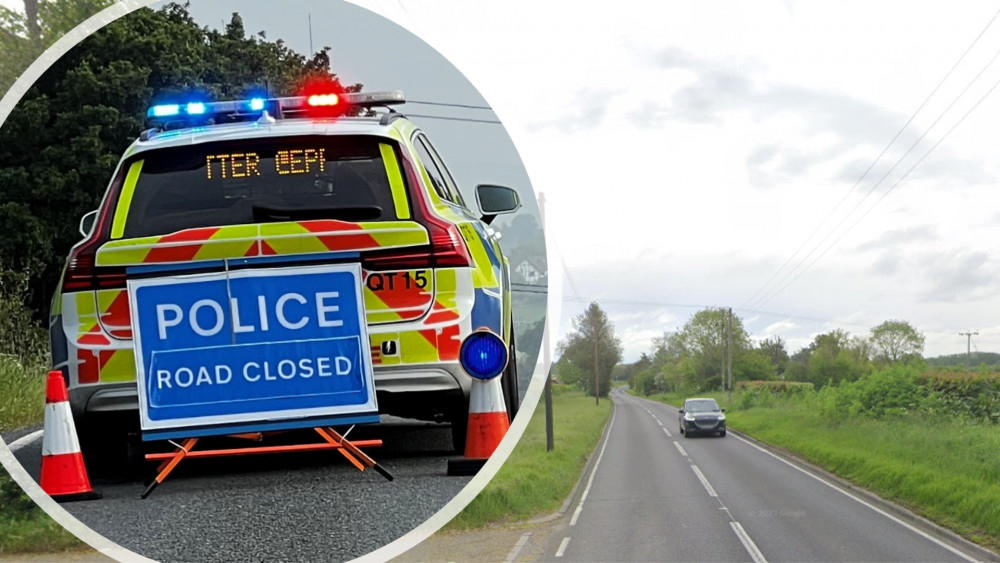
658, 496
286, 507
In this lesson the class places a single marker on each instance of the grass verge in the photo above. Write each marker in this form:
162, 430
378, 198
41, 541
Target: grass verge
22, 393
532, 481
25, 528
943, 469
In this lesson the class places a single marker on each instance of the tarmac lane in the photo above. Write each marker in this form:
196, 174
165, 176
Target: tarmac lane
310, 506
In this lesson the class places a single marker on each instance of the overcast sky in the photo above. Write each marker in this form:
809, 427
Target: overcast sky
693, 154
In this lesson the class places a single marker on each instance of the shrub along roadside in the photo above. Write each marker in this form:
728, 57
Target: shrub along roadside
533, 481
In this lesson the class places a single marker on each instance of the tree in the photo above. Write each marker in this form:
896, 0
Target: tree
59, 146
23, 36
589, 328
774, 350
833, 357
896, 340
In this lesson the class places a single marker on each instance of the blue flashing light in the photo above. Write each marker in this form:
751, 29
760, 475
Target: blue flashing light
483, 355
165, 110
257, 104
195, 108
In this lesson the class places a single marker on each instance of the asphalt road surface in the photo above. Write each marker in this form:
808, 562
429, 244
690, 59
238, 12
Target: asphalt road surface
284, 507
658, 496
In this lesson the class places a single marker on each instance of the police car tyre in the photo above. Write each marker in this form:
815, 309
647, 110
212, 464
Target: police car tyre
511, 397
460, 425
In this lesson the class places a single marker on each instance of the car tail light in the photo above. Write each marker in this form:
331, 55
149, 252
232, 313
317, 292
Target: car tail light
447, 249
83, 275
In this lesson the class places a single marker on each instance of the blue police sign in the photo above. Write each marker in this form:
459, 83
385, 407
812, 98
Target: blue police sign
251, 350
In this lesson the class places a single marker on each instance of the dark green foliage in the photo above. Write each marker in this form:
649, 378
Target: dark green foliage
60, 145
14, 501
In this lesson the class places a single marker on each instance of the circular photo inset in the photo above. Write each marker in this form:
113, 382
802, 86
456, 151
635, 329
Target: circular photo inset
269, 247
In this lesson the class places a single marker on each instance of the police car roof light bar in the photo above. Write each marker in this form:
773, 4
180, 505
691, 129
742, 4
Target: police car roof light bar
165, 116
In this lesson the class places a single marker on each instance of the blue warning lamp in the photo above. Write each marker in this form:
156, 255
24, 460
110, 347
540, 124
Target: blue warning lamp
483, 355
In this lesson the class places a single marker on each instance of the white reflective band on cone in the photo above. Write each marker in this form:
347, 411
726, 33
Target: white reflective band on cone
489, 398
59, 436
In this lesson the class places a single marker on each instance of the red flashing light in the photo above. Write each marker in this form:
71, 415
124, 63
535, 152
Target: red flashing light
323, 100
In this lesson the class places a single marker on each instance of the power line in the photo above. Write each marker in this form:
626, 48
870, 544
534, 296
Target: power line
887, 192
492, 121
872, 165
449, 105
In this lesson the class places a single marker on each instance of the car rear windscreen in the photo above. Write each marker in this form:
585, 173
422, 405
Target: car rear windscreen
263, 180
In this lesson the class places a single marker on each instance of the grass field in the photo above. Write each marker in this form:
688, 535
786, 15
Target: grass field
22, 393
534, 482
944, 469
24, 528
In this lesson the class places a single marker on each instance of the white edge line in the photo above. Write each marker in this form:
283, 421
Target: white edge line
680, 448
586, 491
25, 440
516, 550
704, 482
751, 547
562, 547
910, 527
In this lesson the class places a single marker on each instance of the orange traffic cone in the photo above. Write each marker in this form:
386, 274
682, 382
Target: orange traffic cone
488, 424
64, 476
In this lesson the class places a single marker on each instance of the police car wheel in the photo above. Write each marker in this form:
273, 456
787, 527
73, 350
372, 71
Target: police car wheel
511, 397
459, 425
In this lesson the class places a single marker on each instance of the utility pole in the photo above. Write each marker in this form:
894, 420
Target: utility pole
722, 349
729, 353
549, 438
968, 346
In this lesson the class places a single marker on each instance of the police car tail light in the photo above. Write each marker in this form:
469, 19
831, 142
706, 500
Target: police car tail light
447, 245
83, 275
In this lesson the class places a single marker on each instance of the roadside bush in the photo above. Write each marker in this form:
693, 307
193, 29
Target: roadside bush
975, 396
20, 335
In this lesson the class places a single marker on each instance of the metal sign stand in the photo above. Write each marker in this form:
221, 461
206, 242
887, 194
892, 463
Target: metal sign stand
333, 441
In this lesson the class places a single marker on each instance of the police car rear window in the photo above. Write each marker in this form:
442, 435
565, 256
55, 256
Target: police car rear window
264, 180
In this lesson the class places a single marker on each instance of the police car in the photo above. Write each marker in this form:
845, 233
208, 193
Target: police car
271, 184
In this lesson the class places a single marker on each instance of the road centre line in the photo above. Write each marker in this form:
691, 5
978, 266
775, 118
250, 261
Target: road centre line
562, 547
658, 421
25, 440
597, 463
679, 448
917, 531
516, 550
667, 432
704, 482
751, 547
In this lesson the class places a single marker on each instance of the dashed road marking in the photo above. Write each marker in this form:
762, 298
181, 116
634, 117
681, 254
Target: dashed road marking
704, 481
516, 550
680, 449
751, 547
667, 432
562, 547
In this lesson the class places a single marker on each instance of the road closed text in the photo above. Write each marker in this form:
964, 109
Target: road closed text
254, 372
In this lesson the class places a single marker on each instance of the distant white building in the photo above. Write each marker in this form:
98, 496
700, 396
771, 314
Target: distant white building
529, 272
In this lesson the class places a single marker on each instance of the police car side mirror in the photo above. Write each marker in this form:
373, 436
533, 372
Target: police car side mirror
495, 200
87, 223
681, 411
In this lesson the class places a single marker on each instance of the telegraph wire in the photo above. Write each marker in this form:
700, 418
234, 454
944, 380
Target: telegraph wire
449, 105
887, 192
490, 121
872, 165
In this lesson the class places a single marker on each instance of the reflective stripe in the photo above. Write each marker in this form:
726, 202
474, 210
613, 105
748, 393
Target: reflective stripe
125, 200
59, 436
395, 181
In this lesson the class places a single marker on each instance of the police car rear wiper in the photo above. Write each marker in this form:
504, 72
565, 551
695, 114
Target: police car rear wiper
356, 213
